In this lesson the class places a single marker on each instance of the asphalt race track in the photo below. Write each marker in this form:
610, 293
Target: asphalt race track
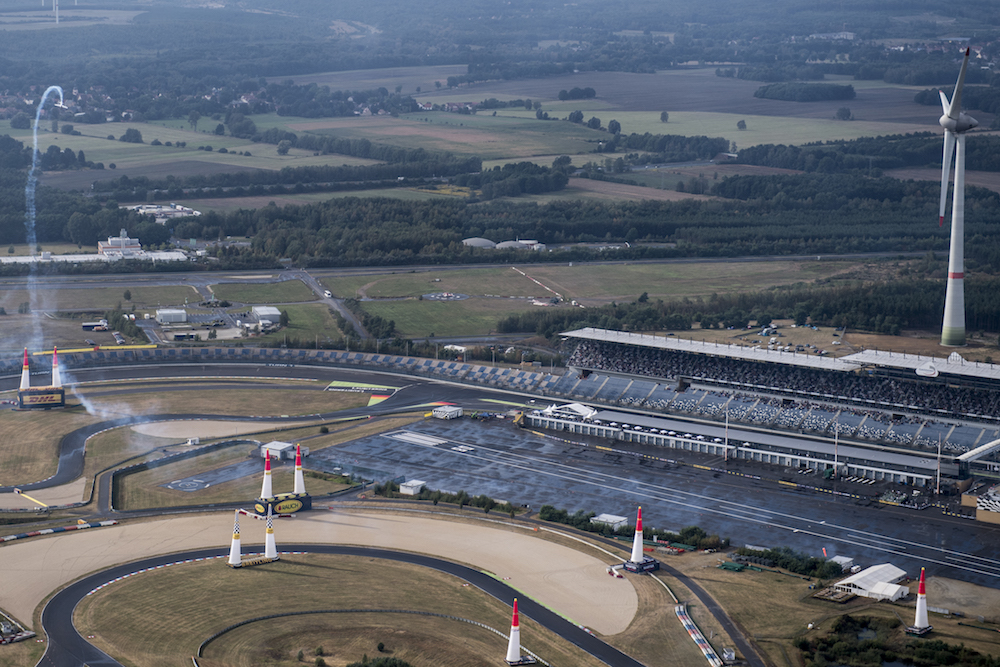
504, 462
68, 649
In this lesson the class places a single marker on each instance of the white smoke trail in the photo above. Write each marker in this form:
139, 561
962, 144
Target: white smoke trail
29, 218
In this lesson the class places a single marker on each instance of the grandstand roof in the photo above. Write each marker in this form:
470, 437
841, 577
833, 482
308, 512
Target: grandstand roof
736, 435
954, 364
715, 349
980, 452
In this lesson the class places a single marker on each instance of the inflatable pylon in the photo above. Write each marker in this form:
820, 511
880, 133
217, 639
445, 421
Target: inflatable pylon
514, 643
235, 548
25, 373
265, 488
637, 555
270, 549
920, 622
56, 374
300, 482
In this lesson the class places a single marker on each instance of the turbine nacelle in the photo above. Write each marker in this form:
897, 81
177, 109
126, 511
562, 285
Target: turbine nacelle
963, 123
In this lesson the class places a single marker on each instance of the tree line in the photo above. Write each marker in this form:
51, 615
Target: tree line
805, 92
920, 149
909, 302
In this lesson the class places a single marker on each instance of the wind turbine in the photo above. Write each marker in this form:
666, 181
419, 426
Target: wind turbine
955, 124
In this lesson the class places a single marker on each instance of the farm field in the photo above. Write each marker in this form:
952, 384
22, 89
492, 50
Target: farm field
410, 78
72, 17
698, 91
235, 203
489, 137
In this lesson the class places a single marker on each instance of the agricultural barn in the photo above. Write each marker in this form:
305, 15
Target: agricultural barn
877, 582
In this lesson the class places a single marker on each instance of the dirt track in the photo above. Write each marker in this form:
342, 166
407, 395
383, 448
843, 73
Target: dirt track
562, 578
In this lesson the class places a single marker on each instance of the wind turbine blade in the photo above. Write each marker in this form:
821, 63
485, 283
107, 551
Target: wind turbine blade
945, 104
949, 150
956, 99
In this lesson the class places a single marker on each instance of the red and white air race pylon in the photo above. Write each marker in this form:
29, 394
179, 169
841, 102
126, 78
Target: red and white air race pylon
56, 374
637, 555
235, 548
25, 373
514, 643
920, 622
270, 549
300, 482
265, 488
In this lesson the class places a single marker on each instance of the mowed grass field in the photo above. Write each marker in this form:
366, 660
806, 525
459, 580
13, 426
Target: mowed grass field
308, 323
285, 291
161, 617
591, 281
395, 295
94, 297
471, 317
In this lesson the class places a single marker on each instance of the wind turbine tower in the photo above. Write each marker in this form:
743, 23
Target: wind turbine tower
955, 124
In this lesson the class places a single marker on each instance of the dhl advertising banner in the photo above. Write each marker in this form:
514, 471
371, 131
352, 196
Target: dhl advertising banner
41, 398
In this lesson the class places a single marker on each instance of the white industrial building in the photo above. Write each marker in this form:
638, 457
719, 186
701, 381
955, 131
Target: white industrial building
171, 315
281, 450
878, 582
845, 562
447, 412
412, 487
612, 520
266, 315
119, 246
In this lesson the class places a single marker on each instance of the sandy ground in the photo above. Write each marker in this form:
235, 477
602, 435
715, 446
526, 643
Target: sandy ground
57, 495
572, 582
197, 428
962, 596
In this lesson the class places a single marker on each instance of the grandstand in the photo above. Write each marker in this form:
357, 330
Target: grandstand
884, 402
880, 405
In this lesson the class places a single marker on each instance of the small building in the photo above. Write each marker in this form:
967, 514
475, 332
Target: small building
844, 562
878, 582
411, 488
266, 313
612, 520
447, 412
119, 246
281, 450
171, 315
